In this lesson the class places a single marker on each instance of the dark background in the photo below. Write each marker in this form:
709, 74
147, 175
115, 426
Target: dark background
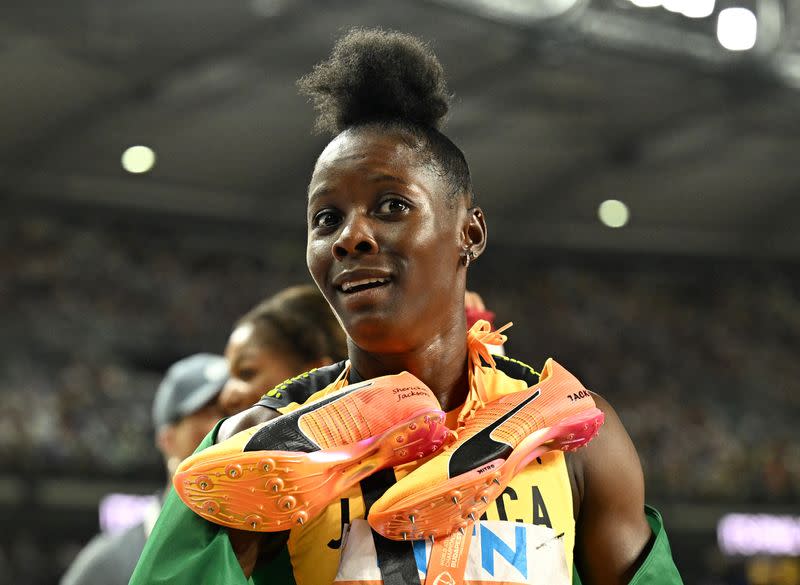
687, 319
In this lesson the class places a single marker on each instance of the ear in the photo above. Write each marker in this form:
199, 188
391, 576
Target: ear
474, 232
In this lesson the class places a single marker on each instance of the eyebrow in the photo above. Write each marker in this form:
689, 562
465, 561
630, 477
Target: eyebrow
386, 177
377, 178
318, 193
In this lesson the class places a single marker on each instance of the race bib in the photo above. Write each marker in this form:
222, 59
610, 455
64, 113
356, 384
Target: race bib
499, 553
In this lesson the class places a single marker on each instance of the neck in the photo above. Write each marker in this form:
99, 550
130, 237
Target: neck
440, 362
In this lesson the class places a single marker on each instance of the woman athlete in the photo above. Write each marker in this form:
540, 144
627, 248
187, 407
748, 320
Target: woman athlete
393, 228
288, 333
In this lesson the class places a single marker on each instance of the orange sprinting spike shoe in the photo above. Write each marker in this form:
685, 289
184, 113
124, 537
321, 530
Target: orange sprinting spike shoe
283, 472
454, 488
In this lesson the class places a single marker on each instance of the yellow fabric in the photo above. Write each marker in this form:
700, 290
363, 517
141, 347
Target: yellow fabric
540, 493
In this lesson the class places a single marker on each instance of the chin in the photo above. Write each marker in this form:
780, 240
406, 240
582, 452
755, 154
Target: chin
378, 335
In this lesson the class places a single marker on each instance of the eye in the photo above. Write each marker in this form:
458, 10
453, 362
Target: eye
325, 219
246, 374
392, 206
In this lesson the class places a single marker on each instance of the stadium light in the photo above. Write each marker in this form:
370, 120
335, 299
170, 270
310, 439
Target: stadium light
698, 9
737, 29
689, 8
613, 213
138, 159
646, 3
676, 5
759, 534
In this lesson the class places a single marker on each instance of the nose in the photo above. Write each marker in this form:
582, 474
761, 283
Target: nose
355, 239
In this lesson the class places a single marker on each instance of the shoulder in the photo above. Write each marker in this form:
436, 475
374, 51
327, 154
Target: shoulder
612, 532
609, 460
294, 390
107, 559
299, 388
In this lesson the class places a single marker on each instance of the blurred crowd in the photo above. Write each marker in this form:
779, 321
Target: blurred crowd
698, 358
699, 361
92, 317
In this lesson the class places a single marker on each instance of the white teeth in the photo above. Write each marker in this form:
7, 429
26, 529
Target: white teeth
346, 286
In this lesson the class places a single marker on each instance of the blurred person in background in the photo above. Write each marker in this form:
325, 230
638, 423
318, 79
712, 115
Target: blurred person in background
291, 332
185, 409
288, 333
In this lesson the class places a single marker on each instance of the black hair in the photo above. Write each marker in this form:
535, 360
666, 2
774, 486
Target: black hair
392, 81
299, 323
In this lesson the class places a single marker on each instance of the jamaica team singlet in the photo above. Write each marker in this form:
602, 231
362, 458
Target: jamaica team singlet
526, 535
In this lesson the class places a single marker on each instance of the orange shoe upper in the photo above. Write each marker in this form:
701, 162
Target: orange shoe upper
561, 395
368, 412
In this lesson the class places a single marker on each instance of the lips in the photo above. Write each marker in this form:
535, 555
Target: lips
362, 284
354, 281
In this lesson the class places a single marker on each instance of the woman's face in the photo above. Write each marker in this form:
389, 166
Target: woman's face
385, 241
254, 370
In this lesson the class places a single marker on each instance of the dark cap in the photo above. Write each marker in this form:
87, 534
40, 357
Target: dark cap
189, 385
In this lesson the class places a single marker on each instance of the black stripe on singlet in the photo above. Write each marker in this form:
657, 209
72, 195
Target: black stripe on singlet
300, 388
395, 557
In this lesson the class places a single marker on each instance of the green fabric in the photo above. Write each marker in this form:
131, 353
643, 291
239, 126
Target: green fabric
276, 572
658, 568
184, 549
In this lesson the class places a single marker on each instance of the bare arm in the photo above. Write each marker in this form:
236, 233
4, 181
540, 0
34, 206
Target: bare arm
255, 415
612, 533
249, 546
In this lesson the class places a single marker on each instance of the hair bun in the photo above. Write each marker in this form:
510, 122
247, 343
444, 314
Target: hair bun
375, 75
